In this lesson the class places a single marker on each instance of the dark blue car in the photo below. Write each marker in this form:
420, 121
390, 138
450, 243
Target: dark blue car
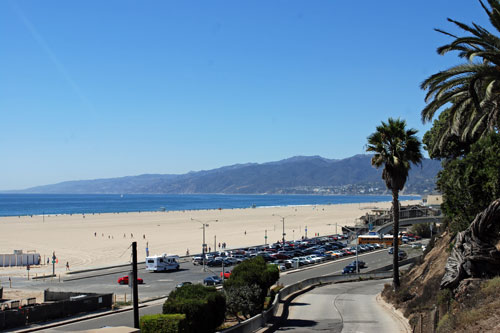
212, 280
349, 269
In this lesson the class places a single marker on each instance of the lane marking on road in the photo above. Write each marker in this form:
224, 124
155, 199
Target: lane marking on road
165, 280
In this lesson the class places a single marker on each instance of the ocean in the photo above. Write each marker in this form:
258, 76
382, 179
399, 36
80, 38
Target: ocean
38, 204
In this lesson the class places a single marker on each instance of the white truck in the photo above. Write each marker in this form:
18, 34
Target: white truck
162, 263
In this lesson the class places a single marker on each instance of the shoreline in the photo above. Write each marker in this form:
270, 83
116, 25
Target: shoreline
406, 197
88, 240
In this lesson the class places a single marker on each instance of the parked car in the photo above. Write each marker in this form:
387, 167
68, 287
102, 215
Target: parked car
214, 263
212, 280
124, 280
182, 284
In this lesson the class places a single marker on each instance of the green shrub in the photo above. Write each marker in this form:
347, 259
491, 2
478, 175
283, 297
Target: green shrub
255, 274
204, 307
162, 323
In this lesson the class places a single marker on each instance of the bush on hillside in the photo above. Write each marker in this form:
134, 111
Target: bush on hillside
162, 323
204, 307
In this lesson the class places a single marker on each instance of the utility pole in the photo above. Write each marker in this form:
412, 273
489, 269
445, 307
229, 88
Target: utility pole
54, 263
283, 219
134, 285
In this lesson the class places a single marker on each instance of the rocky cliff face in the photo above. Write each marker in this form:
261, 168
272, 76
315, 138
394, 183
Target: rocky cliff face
473, 306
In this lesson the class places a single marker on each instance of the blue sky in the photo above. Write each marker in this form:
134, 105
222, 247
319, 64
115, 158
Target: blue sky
95, 89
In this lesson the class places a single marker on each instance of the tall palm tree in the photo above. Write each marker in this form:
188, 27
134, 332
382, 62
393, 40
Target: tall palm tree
395, 148
472, 88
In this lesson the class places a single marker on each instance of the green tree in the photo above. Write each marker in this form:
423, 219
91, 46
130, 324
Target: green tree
473, 87
255, 273
471, 183
395, 148
204, 307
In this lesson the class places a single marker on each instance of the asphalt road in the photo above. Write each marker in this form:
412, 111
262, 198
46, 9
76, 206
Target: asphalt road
160, 284
345, 307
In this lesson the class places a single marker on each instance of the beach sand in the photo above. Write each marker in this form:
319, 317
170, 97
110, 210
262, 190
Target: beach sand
73, 240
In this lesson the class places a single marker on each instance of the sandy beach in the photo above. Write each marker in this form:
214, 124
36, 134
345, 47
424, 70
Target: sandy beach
96, 240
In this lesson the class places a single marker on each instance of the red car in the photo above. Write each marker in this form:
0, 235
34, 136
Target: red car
227, 274
124, 280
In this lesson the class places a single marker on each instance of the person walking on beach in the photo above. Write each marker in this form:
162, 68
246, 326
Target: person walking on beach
67, 265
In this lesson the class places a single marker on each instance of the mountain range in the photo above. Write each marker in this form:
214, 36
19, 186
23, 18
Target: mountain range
296, 175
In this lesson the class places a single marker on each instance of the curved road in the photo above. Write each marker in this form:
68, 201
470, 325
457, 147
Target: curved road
342, 307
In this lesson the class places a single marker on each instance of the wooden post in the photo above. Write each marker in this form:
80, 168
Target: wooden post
134, 285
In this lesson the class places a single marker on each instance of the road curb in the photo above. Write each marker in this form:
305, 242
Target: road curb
395, 313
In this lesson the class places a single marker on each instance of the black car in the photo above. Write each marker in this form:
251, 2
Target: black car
402, 255
214, 263
361, 264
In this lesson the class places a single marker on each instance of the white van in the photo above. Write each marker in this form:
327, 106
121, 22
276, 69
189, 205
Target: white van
162, 263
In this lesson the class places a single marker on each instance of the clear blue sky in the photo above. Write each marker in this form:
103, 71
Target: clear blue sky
95, 89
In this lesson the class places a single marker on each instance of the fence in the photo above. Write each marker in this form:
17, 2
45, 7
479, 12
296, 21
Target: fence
7, 260
65, 305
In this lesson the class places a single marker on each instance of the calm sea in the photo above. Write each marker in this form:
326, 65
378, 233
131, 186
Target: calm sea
38, 204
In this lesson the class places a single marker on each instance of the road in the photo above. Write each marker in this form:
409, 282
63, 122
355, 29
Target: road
160, 284
345, 307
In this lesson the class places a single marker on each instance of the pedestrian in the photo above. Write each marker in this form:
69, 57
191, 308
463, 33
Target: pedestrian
144, 236
219, 245
48, 261
95, 234
187, 252
67, 265
131, 235
209, 249
124, 236
245, 232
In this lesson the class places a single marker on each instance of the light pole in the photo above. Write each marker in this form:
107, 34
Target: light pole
357, 249
204, 245
283, 220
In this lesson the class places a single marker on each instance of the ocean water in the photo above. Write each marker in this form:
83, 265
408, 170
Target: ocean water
38, 204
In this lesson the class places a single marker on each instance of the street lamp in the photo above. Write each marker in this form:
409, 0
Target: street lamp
357, 248
283, 220
204, 245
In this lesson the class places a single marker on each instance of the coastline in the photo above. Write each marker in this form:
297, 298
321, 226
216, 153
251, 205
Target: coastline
29, 204
94, 240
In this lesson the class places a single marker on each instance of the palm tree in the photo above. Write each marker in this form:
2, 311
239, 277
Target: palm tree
395, 148
472, 88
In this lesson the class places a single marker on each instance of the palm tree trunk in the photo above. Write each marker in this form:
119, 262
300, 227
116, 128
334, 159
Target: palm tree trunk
395, 259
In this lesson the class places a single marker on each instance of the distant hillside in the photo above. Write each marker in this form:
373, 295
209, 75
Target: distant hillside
296, 175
